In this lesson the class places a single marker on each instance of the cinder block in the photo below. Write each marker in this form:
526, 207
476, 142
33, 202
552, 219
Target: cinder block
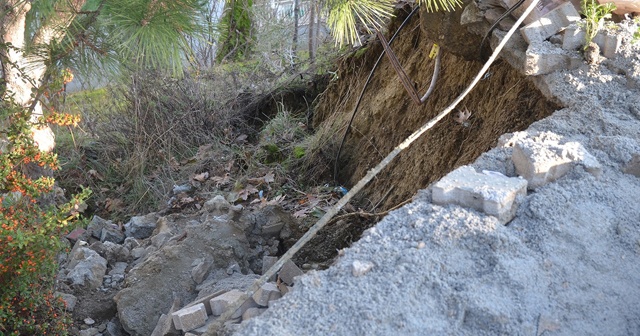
289, 271
206, 301
542, 58
574, 38
492, 194
266, 293
542, 159
267, 262
221, 303
252, 312
550, 23
189, 318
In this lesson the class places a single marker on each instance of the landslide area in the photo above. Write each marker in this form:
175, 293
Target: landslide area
504, 101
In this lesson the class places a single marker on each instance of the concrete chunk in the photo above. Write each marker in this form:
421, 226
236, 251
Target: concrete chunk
252, 312
550, 23
267, 292
574, 38
189, 318
267, 262
492, 194
542, 58
542, 159
289, 271
220, 303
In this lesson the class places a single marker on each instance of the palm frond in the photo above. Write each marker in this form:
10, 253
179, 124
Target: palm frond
440, 5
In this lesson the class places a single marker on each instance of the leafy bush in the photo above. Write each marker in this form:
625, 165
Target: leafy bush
30, 230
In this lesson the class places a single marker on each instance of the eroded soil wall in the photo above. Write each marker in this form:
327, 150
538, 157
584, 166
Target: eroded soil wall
504, 101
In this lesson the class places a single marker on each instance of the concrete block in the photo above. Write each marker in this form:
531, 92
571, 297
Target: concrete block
189, 318
267, 262
542, 159
542, 58
206, 300
221, 303
288, 272
551, 23
609, 43
252, 312
266, 293
492, 194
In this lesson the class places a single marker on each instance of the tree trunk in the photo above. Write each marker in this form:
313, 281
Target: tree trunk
296, 23
312, 19
24, 73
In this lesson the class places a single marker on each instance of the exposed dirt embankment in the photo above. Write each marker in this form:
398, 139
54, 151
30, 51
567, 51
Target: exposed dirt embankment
504, 101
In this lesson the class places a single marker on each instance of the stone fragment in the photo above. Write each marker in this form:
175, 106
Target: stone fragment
165, 323
94, 228
266, 293
252, 312
189, 318
118, 268
360, 268
112, 234
288, 272
69, 300
267, 262
89, 321
542, 159
141, 227
130, 243
138, 252
550, 24
89, 332
200, 269
220, 303
86, 268
633, 166
494, 195
74, 235
114, 328
206, 301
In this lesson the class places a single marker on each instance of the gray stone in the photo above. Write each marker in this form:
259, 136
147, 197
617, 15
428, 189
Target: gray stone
200, 269
138, 252
289, 271
89, 332
86, 268
220, 303
89, 321
130, 243
118, 268
160, 239
94, 228
141, 227
69, 300
112, 234
165, 325
114, 328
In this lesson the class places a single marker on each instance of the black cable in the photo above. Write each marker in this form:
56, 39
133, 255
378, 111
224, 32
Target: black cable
366, 84
495, 24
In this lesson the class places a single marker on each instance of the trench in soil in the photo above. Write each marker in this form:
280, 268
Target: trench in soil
505, 101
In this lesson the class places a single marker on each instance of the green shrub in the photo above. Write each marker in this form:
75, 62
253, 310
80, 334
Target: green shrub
30, 230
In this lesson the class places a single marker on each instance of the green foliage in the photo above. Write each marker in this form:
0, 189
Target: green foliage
30, 231
595, 14
345, 16
236, 28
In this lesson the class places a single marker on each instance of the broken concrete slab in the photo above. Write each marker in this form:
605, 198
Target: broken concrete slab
289, 271
550, 24
493, 194
190, 318
221, 303
266, 293
542, 159
141, 227
206, 301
